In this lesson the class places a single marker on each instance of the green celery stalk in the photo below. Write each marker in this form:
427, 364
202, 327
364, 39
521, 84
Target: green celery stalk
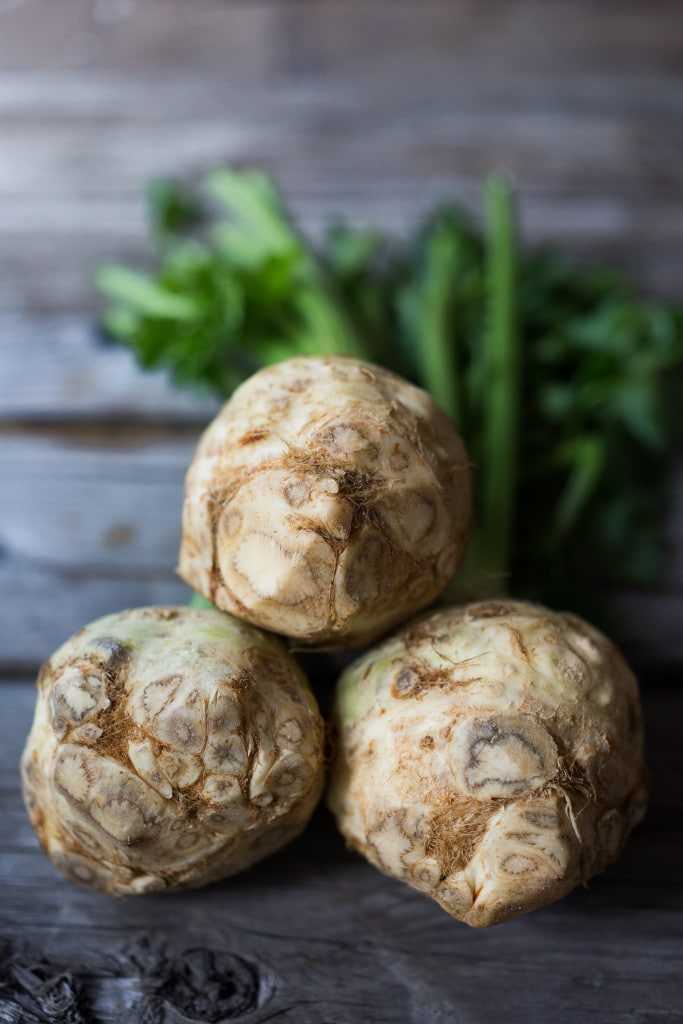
501, 354
438, 345
329, 323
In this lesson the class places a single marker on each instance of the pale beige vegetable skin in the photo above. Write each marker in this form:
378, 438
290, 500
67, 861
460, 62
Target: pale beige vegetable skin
328, 501
491, 756
170, 747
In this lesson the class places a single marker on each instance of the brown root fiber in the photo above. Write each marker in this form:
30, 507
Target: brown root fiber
170, 748
490, 756
328, 501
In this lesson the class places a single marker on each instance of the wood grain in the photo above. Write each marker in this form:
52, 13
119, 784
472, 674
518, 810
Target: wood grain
369, 109
366, 110
373, 132
316, 935
93, 505
90, 524
44, 605
77, 376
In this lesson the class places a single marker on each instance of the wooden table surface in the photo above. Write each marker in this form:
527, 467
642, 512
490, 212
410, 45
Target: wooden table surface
314, 935
372, 110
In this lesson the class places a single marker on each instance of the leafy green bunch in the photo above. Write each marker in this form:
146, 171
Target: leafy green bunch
561, 380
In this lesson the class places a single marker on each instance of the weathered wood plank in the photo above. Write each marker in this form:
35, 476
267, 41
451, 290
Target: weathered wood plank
345, 32
90, 523
369, 109
93, 506
315, 934
50, 272
128, 33
586, 121
42, 606
60, 369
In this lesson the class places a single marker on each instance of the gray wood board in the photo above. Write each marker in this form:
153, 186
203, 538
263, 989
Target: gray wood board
98, 503
60, 369
371, 110
362, 108
315, 935
366, 110
112, 498
43, 606
90, 521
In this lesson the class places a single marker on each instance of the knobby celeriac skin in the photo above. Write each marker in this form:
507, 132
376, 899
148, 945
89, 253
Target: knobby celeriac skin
328, 501
170, 747
490, 756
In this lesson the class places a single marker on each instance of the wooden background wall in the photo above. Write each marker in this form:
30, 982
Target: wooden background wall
370, 109
366, 108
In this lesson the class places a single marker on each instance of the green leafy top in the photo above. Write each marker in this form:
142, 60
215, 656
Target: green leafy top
559, 378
